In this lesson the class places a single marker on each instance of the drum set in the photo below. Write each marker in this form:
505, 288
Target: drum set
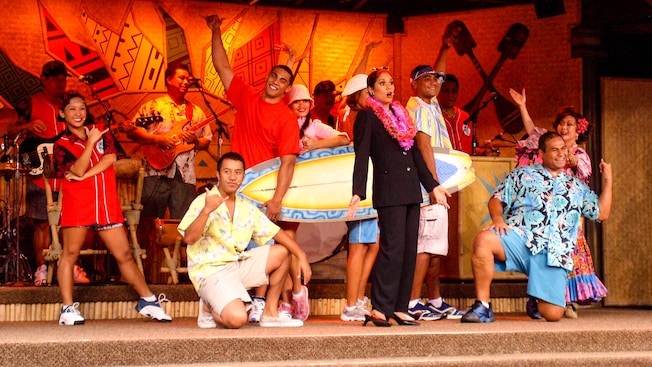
15, 266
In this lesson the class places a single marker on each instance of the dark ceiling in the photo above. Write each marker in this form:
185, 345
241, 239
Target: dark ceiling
623, 26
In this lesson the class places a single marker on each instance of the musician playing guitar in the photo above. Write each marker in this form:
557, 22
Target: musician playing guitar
171, 185
37, 116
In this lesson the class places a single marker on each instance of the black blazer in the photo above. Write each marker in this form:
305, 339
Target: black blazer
397, 173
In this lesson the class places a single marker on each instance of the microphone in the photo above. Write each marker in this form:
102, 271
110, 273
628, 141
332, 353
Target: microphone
84, 78
499, 137
192, 81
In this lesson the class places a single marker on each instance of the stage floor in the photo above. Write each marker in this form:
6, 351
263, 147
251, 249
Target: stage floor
625, 332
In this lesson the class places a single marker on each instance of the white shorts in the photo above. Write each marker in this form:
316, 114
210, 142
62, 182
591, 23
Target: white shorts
433, 230
234, 279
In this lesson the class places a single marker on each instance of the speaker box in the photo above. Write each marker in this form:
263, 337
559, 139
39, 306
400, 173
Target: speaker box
549, 8
394, 24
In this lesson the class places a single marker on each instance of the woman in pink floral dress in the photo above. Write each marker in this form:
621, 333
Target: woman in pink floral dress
583, 287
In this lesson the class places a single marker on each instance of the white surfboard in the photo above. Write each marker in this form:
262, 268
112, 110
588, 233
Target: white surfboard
321, 185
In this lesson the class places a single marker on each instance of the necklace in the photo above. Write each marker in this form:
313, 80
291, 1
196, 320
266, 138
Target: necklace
398, 124
449, 114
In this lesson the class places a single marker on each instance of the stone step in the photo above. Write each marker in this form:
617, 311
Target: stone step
603, 336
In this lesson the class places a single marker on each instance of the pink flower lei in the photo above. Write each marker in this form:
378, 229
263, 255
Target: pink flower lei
582, 125
398, 124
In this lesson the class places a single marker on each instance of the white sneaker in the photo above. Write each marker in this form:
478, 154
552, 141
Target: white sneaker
205, 319
70, 315
153, 309
281, 321
257, 308
353, 313
362, 305
41, 276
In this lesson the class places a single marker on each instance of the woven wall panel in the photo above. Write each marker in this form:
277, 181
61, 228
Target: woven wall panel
628, 232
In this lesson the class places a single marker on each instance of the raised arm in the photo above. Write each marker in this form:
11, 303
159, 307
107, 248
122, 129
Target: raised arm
220, 59
362, 66
440, 61
604, 201
520, 99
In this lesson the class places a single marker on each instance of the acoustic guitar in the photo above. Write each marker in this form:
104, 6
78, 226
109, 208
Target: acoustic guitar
160, 158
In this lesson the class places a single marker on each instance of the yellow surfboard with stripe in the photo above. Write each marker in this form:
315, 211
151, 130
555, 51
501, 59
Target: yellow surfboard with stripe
321, 185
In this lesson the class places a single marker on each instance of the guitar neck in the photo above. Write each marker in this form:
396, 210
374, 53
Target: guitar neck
198, 126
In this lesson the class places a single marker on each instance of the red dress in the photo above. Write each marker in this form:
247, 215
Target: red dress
93, 201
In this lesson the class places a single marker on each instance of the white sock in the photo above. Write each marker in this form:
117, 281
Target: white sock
151, 298
298, 294
436, 302
485, 304
349, 308
413, 303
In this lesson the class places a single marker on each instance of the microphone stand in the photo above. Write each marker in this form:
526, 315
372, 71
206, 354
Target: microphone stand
221, 126
473, 118
108, 114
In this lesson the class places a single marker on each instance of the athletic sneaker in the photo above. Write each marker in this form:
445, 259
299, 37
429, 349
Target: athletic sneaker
70, 315
301, 303
532, 308
282, 320
570, 311
153, 309
353, 313
362, 305
446, 311
205, 319
479, 313
79, 275
421, 312
41, 276
257, 308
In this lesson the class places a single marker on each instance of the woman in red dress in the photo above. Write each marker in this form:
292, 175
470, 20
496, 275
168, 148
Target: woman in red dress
84, 155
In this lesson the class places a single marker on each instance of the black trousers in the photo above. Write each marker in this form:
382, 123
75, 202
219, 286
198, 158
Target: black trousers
391, 281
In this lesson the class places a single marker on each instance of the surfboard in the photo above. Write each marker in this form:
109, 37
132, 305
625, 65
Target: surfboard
321, 184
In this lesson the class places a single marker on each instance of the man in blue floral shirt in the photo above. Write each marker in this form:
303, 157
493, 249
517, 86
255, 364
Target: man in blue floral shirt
535, 213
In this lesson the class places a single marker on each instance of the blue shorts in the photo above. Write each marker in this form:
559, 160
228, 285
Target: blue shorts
363, 231
544, 281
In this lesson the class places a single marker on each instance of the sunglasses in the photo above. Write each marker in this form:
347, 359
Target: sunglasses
439, 76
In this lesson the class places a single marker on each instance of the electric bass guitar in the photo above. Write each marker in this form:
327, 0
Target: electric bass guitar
34, 150
160, 158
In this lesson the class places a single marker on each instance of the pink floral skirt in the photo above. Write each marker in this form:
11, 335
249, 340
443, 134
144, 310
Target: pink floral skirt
583, 286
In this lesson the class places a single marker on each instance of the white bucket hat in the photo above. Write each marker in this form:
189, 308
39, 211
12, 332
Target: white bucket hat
356, 83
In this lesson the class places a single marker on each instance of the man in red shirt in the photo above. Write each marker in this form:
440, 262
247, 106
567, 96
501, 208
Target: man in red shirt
264, 128
38, 117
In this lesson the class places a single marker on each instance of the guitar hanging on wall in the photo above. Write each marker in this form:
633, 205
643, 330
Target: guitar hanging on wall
160, 158
35, 149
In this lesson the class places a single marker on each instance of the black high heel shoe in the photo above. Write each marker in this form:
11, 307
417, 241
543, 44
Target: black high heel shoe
376, 321
403, 322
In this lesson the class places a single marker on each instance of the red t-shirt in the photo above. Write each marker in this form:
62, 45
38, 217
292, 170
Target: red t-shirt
261, 130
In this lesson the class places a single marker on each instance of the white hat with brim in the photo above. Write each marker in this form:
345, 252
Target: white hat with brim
299, 92
356, 83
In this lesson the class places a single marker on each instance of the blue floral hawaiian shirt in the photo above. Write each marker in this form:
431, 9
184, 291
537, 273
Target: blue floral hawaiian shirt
546, 211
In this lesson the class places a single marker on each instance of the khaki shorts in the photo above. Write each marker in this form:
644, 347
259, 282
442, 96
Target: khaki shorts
433, 230
233, 280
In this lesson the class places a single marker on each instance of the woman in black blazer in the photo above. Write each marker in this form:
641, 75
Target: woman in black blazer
385, 133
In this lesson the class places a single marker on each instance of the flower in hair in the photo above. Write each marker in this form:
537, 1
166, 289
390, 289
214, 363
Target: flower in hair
582, 125
398, 124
